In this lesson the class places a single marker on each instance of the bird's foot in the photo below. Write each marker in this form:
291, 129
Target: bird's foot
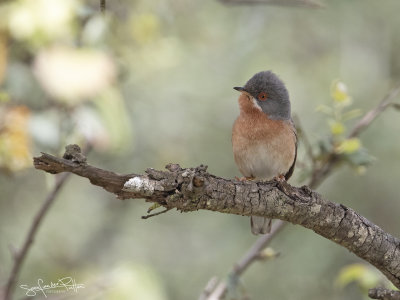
280, 178
244, 178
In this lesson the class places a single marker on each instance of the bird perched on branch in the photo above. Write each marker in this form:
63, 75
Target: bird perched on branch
264, 138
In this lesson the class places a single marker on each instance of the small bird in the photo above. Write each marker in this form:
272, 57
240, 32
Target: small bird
264, 139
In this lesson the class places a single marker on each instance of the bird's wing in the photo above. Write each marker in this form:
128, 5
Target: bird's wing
291, 169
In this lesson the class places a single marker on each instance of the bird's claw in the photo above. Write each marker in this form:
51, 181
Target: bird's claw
280, 178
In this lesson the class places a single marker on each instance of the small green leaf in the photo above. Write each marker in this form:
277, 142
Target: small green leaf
4, 97
349, 146
360, 158
337, 128
352, 114
324, 109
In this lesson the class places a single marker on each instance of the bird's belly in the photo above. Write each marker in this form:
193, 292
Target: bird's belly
263, 159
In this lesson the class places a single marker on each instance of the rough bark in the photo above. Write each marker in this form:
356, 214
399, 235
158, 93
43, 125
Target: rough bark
384, 294
193, 189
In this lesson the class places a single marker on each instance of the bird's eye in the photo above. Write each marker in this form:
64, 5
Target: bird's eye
262, 96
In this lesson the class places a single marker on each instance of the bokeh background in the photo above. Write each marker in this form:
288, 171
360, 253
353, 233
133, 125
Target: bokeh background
150, 83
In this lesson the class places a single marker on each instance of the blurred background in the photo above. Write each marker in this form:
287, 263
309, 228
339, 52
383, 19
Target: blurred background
150, 83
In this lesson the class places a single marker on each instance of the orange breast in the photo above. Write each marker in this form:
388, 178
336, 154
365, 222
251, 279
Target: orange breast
262, 148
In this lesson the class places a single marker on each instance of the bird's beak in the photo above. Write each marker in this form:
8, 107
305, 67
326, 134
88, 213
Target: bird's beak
239, 88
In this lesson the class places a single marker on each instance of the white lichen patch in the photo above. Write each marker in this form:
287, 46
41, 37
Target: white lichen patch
315, 209
363, 233
140, 185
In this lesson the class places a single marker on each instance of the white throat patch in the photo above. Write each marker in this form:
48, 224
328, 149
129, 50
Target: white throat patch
256, 104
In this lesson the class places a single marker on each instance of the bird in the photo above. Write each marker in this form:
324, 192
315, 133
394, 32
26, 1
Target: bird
264, 139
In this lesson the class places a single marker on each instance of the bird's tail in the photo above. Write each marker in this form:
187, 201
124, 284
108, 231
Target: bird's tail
260, 225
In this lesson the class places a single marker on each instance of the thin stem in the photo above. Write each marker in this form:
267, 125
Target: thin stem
30, 237
372, 114
156, 214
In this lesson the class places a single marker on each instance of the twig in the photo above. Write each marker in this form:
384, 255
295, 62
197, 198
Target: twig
250, 256
210, 287
103, 6
19, 256
255, 250
317, 178
372, 114
37, 220
156, 214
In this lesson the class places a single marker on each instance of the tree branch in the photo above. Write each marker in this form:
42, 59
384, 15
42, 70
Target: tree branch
192, 189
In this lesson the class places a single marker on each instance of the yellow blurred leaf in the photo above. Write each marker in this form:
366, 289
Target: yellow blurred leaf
15, 140
145, 28
337, 128
364, 276
349, 146
339, 93
268, 253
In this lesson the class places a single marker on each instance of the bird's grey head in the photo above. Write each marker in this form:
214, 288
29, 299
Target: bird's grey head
270, 94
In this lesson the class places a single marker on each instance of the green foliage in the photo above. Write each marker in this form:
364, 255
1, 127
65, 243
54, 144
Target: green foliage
364, 276
339, 116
